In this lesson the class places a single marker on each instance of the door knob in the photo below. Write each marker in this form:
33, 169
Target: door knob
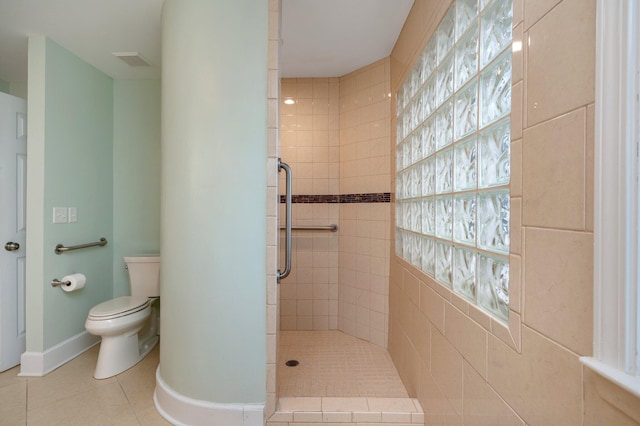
11, 246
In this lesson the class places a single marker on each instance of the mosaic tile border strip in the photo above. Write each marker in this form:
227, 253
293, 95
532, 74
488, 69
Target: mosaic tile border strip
374, 197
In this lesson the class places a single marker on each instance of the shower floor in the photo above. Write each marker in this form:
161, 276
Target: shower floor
334, 364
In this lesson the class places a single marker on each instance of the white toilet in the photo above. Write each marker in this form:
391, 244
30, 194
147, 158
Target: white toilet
127, 325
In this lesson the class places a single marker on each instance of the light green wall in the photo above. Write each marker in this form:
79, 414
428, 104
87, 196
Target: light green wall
136, 174
71, 152
18, 89
78, 173
94, 144
214, 140
15, 89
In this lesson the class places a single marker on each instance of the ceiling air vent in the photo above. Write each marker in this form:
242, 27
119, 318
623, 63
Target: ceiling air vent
133, 59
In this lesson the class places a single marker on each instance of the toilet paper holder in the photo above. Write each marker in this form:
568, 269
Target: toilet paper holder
56, 282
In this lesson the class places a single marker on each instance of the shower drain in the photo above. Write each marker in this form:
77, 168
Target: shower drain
291, 363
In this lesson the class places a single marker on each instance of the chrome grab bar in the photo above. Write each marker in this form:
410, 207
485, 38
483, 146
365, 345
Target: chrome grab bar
60, 248
333, 228
287, 246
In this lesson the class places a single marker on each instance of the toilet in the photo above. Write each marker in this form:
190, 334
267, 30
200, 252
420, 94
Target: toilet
127, 325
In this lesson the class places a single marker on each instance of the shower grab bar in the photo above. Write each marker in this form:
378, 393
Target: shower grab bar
287, 264
333, 228
60, 248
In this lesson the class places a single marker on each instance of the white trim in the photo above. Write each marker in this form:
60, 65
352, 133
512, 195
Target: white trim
625, 381
616, 194
38, 364
634, 24
179, 409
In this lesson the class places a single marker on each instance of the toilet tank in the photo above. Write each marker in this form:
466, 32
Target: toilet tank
144, 274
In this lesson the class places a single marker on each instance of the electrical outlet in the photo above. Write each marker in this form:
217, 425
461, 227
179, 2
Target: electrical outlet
73, 215
60, 215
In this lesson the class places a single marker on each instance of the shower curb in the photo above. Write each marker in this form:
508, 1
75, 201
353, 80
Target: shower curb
362, 411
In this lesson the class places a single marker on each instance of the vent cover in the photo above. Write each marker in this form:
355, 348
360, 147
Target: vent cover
133, 59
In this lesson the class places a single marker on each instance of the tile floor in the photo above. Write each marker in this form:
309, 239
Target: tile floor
71, 396
332, 364
335, 364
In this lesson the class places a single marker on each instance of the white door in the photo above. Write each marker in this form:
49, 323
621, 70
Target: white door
13, 192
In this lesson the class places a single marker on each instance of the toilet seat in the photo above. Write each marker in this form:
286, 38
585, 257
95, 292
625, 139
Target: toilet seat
118, 307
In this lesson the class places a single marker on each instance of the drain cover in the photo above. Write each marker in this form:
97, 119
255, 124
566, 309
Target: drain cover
291, 363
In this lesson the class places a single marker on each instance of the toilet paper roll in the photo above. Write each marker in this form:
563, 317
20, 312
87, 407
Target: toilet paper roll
76, 282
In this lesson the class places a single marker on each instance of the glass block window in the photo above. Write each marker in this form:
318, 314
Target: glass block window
452, 155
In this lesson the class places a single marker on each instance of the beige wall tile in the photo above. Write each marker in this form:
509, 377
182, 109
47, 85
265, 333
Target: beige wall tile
460, 303
412, 286
536, 374
304, 88
518, 12
395, 331
553, 173
510, 333
561, 60
288, 87
404, 312
432, 305
543, 384
516, 169
469, 338
559, 286
516, 111
482, 406
307, 150
607, 404
421, 336
364, 168
515, 225
515, 283
410, 372
446, 369
433, 401
536, 9
589, 168
480, 316
517, 58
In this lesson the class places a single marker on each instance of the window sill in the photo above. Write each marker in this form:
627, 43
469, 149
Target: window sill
627, 382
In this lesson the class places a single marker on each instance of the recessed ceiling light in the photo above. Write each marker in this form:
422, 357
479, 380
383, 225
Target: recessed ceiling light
289, 101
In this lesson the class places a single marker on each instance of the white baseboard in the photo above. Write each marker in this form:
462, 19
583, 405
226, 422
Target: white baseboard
181, 410
41, 363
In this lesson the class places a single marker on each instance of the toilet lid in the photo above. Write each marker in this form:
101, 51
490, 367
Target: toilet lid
118, 307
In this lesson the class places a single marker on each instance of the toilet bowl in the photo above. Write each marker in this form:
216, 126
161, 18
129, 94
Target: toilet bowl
127, 324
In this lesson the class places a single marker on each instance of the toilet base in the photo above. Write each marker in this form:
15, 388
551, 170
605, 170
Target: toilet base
125, 340
120, 353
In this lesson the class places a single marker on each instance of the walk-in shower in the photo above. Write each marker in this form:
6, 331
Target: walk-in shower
335, 237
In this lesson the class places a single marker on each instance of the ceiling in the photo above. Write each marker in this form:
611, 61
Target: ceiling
321, 38
330, 38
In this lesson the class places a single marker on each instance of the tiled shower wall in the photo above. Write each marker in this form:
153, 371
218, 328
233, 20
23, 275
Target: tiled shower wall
336, 138
364, 236
272, 202
463, 366
310, 145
